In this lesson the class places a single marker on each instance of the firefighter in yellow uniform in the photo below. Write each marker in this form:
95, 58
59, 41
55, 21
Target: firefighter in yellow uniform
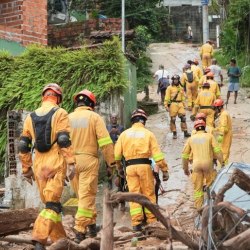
214, 86
197, 70
203, 79
47, 128
223, 129
204, 104
175, 104
204, 149
206, 53
137, 145
190, 82
88, 133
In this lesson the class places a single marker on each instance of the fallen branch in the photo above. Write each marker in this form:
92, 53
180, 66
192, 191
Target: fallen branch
17, 239
241, 241
239, 178
144, 201
65, 244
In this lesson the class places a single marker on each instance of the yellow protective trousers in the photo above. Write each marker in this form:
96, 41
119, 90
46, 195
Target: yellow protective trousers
177, 108
85, 185
199, 178
192, 92
209, 116
206, 60
49, 223
140, 180
226, 145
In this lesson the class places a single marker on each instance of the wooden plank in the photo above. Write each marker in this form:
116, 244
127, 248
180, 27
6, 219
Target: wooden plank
16, 220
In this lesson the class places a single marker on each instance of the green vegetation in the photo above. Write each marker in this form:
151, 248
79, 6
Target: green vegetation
22, 78
235, 37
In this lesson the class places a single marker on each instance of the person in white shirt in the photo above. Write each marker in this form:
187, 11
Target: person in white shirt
218, 77
163, 81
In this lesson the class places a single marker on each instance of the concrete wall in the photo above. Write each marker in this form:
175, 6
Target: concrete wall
182, 2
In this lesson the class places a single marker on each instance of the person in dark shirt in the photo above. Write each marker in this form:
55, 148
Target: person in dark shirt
114, 128
234, 74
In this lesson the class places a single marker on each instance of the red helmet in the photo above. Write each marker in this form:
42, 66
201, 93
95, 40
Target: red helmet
207, 70
211, 74
55, 88
137, 113
200, 116
218, 103
206, 84
199, 123
87, 93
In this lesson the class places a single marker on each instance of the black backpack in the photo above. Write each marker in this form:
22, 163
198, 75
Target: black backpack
42, 129
190, 76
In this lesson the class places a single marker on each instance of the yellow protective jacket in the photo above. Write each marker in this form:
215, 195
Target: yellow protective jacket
204, 149
214, 88
197, 70
205, 98
206, 49
225, 124
89, 132
138, 142
202, 80
171, 93
56, 156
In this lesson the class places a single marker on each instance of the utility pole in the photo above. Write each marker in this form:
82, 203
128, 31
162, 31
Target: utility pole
123, 26
205, 24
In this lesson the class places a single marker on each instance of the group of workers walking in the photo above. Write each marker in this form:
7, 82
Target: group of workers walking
198, 90
66, 147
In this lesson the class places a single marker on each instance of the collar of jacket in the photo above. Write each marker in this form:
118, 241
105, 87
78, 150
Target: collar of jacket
138, 125
83, 108
49, 103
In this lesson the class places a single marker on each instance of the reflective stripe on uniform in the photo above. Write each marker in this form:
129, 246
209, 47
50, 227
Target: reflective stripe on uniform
104, 141
84, 212
147, 211
118, 157
135, 211
185, 156
45, 213
158, 157
198, 194
217, 149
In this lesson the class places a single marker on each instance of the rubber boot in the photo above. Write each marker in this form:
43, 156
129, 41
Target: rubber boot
93, 230
137, 228
186, 134
174, 135
79, 237
39, 246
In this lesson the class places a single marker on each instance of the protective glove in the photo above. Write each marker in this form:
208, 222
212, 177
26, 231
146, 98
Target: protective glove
220, 139
165, 176
71, 171
29, 176
192, 118
167, 108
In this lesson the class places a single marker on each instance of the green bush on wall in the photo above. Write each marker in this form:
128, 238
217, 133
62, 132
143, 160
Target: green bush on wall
22, 78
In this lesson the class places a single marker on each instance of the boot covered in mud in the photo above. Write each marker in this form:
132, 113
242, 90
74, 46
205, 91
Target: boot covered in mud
138, 228
39, 246
174, 135
93, 230
186, 134
79, 237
